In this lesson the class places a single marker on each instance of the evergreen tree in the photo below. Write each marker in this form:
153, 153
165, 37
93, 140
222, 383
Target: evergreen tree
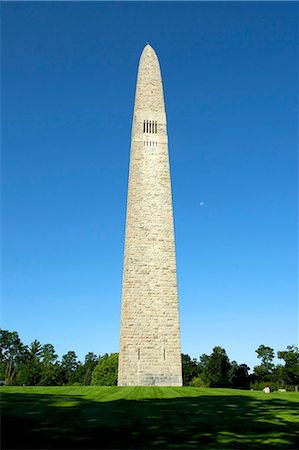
263, 372
190, 369
218, 367
91, 361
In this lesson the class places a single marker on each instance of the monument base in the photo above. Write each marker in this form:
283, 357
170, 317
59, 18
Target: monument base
153, 380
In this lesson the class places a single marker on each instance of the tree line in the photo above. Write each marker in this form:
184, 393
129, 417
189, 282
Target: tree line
38, 365
216, 370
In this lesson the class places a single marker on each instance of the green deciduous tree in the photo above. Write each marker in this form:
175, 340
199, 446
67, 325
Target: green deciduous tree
105, 373
69, 361
200, 381
12, 353
29, 373
69, 364
290, 370
238, 375
91, 359
53, 375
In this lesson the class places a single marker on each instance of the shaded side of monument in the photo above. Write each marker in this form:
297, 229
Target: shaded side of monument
150, 330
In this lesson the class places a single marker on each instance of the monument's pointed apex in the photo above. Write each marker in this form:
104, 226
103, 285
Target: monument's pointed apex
148, 46
148, 50
149, 92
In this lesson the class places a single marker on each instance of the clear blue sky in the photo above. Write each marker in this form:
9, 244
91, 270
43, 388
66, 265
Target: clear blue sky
230, 82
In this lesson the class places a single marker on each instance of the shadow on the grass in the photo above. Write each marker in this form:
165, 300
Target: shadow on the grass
207, 422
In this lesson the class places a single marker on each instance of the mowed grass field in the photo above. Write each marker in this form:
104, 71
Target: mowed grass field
147, 417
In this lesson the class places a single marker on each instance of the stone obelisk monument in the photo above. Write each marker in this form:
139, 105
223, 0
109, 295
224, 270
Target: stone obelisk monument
150, 330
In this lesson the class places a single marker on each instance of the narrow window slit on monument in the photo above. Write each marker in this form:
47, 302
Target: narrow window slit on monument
138, 354
155, 126
144, 126
164, 354
147, 126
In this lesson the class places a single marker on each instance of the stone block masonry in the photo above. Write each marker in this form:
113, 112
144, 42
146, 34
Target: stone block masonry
150, 331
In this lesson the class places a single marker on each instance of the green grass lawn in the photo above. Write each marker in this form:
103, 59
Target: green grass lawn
147, 417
